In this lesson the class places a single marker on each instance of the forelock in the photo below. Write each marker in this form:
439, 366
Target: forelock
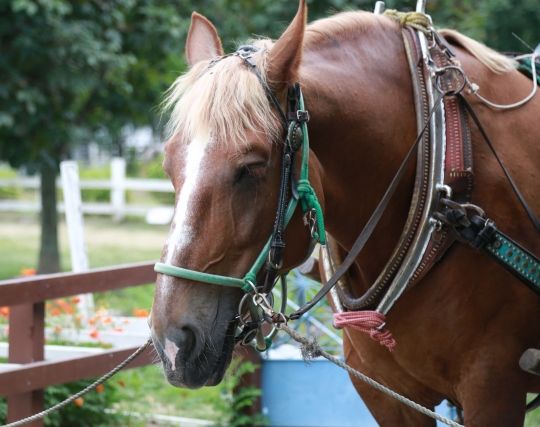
220, 100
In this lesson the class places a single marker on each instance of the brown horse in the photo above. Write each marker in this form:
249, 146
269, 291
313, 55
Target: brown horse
462, 329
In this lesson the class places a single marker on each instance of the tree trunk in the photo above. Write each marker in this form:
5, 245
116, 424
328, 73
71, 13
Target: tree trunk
49, 256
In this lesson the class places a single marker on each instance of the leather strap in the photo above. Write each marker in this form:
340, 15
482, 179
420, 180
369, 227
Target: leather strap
534, 219
368, 229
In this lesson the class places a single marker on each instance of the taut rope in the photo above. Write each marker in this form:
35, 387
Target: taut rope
312, 349
85, 390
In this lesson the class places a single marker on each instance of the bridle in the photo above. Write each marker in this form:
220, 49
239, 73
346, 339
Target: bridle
256, 306
256, 283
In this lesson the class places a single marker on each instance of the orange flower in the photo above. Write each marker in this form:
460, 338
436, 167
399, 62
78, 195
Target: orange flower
92, 321
118, 329
79, 402
4, 311
55, 311
107, 320
140, 312
75, 300
57, 329
121, 383
100, 388
28, 271
94, 333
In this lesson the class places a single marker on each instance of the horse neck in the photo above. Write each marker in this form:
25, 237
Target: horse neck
360, 98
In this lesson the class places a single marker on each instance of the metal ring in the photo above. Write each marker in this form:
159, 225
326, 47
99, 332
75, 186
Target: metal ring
250, 335
461, 79
240, 308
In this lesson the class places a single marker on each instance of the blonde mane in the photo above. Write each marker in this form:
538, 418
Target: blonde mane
218, 100
493, 60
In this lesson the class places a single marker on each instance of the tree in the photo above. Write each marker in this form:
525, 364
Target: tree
77, 71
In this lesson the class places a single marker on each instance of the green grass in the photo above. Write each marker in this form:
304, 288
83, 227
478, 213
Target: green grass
146, 390
108, 244
161, 398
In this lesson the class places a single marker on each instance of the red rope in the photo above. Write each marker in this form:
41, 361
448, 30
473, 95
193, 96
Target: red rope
369, 322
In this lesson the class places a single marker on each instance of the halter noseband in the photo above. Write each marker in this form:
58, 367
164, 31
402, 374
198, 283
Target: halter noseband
291, 192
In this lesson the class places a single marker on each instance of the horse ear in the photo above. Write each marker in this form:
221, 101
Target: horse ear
203, 41
284, 57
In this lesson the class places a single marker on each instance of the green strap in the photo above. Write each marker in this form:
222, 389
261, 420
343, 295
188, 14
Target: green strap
306, 193
516, 259
525, 67
211, 279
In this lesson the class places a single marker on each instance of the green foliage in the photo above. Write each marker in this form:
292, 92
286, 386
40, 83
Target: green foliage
154, 170
236, 399
95, 195
75, 71
86, 412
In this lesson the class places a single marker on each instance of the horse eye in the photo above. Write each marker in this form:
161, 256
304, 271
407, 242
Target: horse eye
253, 171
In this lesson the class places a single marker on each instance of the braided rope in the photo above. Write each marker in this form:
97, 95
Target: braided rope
85, 390
417, 20
311, 349
368, 322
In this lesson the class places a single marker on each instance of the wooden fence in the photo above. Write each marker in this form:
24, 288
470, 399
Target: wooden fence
118, 185
23, 385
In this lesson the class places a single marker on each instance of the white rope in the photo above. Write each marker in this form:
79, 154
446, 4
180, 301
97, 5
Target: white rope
311, 349
85, 390
474, 88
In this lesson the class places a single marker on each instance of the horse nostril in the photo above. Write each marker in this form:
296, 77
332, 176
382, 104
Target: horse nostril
185, 339
189, 340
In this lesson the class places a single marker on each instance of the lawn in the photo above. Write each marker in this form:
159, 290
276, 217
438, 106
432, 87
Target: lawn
108, 243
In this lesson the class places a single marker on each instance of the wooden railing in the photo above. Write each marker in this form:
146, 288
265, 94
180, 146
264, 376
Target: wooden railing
24, 384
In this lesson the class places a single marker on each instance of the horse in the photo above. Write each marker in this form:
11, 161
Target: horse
461, 329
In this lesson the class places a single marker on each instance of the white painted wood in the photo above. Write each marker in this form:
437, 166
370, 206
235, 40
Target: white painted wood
118, 184
118, 194
69, 173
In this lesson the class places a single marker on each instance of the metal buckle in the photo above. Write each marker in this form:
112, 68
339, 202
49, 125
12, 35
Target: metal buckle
302, 115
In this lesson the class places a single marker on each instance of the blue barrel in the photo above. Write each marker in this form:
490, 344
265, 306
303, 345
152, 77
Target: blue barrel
314, 394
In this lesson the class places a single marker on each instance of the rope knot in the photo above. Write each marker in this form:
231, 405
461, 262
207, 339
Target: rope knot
310, 349
369, 322
417, 20
309, 201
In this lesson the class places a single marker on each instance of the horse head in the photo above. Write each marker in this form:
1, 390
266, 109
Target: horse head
223, 158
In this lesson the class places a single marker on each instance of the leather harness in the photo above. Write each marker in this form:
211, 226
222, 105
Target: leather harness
440, 211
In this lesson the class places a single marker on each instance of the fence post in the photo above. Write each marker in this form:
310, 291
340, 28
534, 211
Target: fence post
71, 187
26, 344
118, 195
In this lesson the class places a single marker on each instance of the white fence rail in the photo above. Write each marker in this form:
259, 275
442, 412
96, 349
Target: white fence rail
118, 185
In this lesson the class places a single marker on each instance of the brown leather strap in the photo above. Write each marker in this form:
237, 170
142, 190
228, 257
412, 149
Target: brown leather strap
368, 229
419, 74
533, 217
